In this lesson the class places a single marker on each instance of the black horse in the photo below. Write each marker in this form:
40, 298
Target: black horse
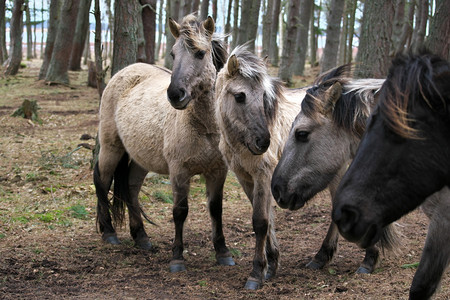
403, 158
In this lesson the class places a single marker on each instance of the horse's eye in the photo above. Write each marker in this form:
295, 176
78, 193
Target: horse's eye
200, 54
171, 54
301, 136
240, 97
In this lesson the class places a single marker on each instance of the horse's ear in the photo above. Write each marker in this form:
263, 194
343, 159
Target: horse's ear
232, 65
209, 26
266, 60
332, 95
174, 28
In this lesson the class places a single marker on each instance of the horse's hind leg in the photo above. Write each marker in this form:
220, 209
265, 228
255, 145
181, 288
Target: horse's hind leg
103, 175
180, 188
436, 253
214, 191
327, 250
136, 178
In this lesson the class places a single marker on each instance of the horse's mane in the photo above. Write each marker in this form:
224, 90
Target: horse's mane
253, 67
352, 108
195, 38
411, 77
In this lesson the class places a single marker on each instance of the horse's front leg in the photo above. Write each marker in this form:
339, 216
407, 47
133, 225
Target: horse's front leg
327, 250
180, 189
214, 191
135, 180
436, 253
260, 220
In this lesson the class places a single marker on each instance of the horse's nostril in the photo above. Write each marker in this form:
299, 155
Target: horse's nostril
276, 192
182, 95
347, 219
262, 143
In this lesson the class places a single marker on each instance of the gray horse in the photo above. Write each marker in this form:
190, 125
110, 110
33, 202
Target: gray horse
321, 144
140, 131
254, 113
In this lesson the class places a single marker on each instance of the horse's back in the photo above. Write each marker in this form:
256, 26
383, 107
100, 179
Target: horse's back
134, 109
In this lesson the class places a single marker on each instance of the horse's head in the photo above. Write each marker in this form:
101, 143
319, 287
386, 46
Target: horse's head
194, 67
404, 155
322, 140
246, 101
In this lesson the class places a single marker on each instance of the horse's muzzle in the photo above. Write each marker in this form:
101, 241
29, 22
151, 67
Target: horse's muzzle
178, 97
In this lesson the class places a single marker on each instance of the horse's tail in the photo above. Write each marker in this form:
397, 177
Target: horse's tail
390, 239
121, 194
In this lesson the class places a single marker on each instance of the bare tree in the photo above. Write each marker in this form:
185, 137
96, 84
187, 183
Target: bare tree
273, 50
125, 34
82, 26
249, 23
374, 43
98, 50
149, 25
438, 40
228, 21
172, 11
29, 31
330, 51
204, 8
302, 36
15, 50
3, 51
52, 29
267, 26
351, 4
421, 24
235, 32
59, 63
160, 29
287, 57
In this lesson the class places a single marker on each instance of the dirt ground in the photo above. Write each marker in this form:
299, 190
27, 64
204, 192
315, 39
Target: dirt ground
50, 249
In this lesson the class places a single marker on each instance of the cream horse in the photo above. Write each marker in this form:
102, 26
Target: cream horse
254, 114
140, 131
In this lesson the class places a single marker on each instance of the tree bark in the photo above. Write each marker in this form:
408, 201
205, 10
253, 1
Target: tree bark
15, 51
373, 51
421, 25
55, 6
273, 50
125, 34
287, 57
302, 37
149, 24
235, 33
29, 31
330, 51
342, 53
3, 51
204, 8
228, 22
98, 50
312, 39
160, 29
59, 63
267, 26
438, 40
172, 10
351, 30
80, 35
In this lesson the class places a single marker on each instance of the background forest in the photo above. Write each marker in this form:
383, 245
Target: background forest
291, 33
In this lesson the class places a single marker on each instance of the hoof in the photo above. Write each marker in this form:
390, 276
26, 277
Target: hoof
252, 284
270, 274
144, 245
362, 270
313, 265
112, 239
226, 261
177, 266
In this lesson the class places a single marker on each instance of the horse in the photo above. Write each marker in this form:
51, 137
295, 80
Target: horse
321, 143
403, 158
254, 113
140, 131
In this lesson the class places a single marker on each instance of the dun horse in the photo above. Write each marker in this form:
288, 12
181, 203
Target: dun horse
254, 114
140, 131
403, 158
323, 140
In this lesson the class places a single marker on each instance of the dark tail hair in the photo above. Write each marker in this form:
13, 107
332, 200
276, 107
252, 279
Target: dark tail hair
390, 239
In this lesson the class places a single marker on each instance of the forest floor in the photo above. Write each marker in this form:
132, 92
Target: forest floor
50, 249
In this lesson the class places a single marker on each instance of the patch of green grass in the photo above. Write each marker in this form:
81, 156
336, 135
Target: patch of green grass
332, 271
79, 211
2, 235
235, 252
202, 283
410, 266
163, 196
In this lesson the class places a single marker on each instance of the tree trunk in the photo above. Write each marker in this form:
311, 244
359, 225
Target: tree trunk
98, 50
195, 5
59, 63
108, 47
342, 53
376, 31
267, 26
330, 51
42, 30
253, 25
3, 51
214, 10
55, 6
351, 30
312, 39
438, 40
125, 34
287, 57
15, 50
160, 29
186, 7
273, 50
421, 25
87, 48
302, 37
235, 33
149, 24
34, 29
204, 9
29, 31
246, 6
80, 35
228, 22
172, 10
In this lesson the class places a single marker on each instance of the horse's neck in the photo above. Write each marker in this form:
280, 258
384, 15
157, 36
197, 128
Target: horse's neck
201, 115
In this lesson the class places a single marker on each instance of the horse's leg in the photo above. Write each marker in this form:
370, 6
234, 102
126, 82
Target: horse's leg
214, 191
272, 250
135, 180
436, 253
180, 187
260, 221
108, 160
327, 250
